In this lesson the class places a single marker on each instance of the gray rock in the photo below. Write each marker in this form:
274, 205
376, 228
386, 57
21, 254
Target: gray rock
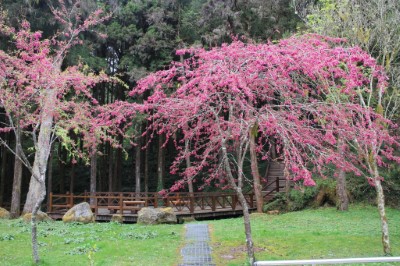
156, 216
79, 213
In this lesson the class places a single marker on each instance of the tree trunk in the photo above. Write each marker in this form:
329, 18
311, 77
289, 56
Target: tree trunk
110, 168
36, 208
35, 192
160, 164
118, 168
255, 172
341, 190
247, 226
146, 166
243, 202
382, 213
188, 164
61, 168
50, 178
37, 188
16, 190
4, 158
138, 150
93, 175
99, 179
72, 177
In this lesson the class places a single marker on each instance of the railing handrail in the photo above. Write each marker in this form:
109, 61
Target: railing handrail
183, 201
326, 261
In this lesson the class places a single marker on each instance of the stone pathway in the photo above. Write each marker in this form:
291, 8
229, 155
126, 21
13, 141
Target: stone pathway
196, 252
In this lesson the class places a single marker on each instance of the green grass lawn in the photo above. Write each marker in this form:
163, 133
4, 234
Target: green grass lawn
321, 233
99, 243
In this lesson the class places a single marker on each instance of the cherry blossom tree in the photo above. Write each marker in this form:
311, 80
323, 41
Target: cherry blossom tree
282, 96
43, 100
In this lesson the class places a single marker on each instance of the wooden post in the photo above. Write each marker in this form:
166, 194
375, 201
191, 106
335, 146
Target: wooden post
155, 200
70, 200
251, 200
191, 203
96, 208
214, 203
120, 204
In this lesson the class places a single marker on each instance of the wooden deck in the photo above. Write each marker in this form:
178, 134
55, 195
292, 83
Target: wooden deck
200, 205
196, 205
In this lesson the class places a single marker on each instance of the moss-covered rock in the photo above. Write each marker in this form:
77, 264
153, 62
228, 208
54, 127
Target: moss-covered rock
40, 217
79, 213
117, 218
157, 216
4, 214
326, 196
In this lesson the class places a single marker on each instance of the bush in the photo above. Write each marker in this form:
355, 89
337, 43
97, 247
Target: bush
361, 191
301, 197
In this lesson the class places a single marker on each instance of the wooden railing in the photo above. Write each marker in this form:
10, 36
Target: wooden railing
181, 202
271, 188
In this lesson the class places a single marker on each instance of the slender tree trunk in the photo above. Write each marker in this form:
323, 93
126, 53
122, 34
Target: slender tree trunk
99, 186
160, 164
50, 178
4, 158
110, 169
138, 150
188, 164
36, 208
382, 213
341, 190
146, 167
93, 175
243, 202
118, 169
145, 159
16, 190
61, 168
72, 178
255, 172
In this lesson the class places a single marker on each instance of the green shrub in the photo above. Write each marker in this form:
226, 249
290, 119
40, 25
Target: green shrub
301, 197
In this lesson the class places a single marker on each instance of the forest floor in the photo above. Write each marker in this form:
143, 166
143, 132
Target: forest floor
319, 233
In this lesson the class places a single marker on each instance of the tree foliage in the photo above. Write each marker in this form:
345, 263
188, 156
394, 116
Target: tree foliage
289, 94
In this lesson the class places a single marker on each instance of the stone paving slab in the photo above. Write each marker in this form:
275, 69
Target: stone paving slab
197, 251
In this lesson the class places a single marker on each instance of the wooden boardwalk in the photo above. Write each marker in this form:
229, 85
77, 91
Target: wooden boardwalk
197, 205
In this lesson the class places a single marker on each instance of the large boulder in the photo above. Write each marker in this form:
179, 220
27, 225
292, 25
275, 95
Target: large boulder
4, 214
40, 217
157, 216
79, 213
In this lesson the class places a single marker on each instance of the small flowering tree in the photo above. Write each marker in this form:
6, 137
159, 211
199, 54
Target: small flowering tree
285, 94
44, 101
